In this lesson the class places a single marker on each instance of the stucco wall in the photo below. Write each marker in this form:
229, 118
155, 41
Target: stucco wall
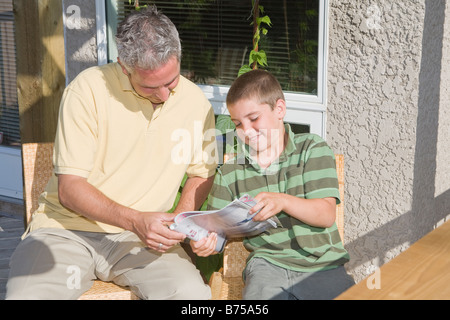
442, 185
388, 114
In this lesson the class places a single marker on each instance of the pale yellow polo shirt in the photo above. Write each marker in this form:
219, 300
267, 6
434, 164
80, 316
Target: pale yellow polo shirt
135, 155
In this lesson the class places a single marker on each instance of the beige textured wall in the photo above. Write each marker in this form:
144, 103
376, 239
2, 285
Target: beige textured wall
388, 113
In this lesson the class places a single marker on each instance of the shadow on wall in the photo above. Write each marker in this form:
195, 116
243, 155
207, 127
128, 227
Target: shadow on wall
427, 209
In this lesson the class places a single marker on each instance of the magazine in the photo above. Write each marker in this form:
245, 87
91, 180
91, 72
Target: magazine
232, 221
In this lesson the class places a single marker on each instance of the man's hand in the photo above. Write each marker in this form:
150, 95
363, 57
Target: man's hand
153, 230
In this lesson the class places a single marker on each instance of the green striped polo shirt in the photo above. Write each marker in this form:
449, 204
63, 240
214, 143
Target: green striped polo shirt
305, 169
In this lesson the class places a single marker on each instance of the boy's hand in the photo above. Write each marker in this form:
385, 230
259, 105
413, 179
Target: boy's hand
206, 246
270, 203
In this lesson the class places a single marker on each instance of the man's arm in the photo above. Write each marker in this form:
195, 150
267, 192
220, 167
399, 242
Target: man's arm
195, 192
77, 194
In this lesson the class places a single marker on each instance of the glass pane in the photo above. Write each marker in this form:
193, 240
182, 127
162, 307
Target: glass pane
217, 39
9, 108
300, 128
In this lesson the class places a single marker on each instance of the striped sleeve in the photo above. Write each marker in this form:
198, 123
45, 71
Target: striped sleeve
319, 175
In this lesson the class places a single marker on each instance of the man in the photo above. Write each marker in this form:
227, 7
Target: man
103, 213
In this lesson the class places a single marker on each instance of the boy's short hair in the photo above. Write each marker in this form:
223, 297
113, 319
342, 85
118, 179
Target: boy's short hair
257, 84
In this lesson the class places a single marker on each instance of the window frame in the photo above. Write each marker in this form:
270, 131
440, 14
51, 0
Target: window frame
302, 108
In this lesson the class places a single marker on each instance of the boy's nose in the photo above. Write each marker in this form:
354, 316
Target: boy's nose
248, 130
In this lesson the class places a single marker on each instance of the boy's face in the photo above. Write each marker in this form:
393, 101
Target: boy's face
258, 125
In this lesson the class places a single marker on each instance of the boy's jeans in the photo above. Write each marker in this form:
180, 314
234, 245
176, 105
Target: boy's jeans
265, 281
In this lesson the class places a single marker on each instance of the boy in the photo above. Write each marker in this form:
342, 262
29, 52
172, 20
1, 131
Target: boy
292, 177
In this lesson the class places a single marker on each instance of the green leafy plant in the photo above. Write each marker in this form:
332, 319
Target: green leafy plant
257, 57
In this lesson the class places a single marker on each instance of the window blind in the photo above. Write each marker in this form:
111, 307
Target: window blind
217, 37
9, 108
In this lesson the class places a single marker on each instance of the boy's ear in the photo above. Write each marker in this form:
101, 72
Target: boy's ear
280, 108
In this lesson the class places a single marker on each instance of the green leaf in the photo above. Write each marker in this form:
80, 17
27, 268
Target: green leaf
252, 57
224, 123
265, 20
259, 56
256, 36
244, 69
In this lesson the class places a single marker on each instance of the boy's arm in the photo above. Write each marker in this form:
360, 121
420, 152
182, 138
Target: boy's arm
314, 212
318, 210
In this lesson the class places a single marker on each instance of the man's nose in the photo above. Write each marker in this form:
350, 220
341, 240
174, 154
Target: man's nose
164, 93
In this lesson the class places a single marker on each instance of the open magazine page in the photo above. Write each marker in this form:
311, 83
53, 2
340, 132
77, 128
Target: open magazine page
233, 221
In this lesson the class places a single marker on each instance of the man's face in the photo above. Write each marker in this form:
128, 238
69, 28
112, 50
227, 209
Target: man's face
155, 85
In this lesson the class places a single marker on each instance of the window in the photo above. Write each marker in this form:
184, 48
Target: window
10, 153
217, 38
9, 108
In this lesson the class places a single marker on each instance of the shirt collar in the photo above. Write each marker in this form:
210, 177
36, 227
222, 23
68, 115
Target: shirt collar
123, 79
290, 145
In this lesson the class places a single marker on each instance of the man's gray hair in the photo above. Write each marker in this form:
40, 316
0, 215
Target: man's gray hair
147, 39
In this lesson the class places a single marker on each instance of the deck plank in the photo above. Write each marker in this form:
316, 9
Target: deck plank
11, 229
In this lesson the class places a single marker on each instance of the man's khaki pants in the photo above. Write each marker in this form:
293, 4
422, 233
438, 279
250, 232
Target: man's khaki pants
62, 264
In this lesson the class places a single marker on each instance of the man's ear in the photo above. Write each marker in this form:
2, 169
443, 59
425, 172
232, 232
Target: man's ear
124, 70
280, 108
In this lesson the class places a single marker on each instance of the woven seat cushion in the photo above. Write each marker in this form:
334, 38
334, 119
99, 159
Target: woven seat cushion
108, 291
226, 288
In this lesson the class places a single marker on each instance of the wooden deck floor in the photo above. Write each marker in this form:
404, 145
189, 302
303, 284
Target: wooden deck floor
11, 229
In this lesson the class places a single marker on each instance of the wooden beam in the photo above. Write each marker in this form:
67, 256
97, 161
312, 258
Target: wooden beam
40, 67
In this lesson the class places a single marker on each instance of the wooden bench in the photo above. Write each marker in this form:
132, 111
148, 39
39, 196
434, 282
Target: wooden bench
227, 284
